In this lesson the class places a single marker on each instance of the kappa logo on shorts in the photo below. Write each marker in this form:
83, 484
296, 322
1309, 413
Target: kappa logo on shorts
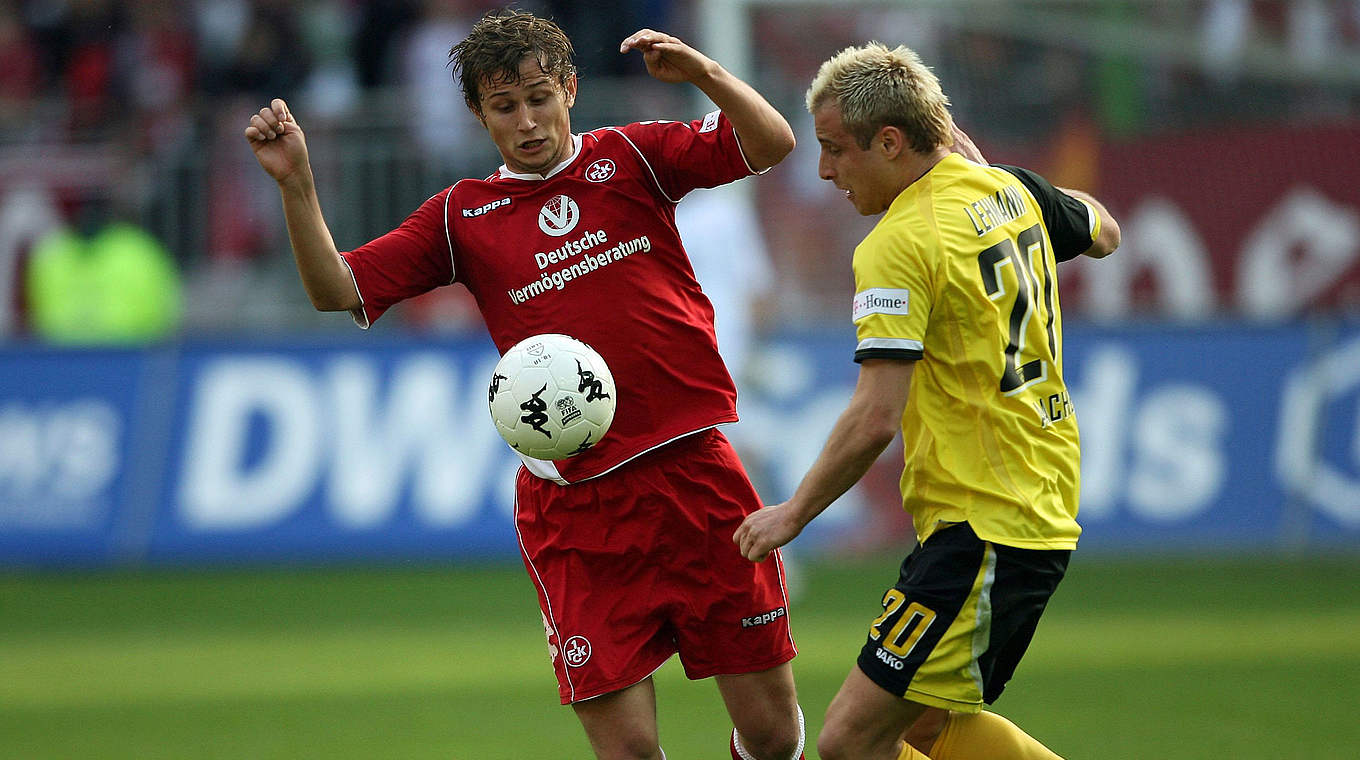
576, 651
764, 618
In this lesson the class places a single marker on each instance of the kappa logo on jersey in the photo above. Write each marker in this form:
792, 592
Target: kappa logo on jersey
576, 651
559, 216
486, 208
600, 170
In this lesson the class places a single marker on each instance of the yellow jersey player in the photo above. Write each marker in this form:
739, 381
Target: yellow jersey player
960, 346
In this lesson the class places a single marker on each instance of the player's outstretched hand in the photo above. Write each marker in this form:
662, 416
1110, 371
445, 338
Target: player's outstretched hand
278, 142
668, 59
765, 530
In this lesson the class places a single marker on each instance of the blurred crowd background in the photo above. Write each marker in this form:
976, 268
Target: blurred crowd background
127, 189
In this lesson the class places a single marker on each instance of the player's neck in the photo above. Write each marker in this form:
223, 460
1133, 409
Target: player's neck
918, 165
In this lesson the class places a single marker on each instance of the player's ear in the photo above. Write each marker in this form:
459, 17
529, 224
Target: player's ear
569, 90
891, 141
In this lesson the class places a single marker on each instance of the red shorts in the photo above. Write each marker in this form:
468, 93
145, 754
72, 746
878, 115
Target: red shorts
638, 564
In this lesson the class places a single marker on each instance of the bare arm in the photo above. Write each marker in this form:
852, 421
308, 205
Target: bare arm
1108, 237
766, 137
281, 149
864, 429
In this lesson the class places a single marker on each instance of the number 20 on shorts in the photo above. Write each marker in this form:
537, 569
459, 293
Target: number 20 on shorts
911, 624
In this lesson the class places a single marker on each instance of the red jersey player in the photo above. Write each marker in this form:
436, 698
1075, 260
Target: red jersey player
628, 544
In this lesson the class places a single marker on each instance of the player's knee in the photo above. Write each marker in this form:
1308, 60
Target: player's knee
835, 744
629, 748
622, 742
774, 742
923, 733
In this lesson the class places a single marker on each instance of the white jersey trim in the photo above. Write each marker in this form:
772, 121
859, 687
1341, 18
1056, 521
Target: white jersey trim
745, 161
545, 469
448, 232
547, 600
505, 172
896, 344
1091, 218
645, 163
359, 315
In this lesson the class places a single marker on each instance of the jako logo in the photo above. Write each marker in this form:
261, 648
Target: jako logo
492, 206
559, 216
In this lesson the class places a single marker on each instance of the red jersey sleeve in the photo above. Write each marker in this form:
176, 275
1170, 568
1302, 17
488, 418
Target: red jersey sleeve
684, 156
414, 258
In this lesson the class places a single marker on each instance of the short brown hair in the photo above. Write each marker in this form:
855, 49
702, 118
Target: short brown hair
875, 86
499, 42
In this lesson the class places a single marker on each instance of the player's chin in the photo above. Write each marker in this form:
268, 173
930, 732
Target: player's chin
865, 208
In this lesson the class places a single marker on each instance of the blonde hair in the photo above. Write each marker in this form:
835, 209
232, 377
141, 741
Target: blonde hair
875, 86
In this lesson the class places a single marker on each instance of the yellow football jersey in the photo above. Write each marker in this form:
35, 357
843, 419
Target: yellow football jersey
960, 274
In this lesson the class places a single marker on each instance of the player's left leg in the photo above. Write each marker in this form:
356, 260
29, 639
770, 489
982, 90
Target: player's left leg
927, 728
730, 615
764, 709
985, 735
864, 721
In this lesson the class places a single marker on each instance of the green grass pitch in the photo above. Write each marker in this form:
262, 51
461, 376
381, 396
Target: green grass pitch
1239, 658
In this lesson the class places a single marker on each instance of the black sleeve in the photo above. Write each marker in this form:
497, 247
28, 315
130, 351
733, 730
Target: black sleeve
1067, 219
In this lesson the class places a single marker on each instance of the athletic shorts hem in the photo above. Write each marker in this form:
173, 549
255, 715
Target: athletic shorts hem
930, 700
1016, 543
739, 670
618, 684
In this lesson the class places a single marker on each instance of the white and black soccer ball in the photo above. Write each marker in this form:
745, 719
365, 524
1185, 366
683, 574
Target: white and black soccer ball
551, 396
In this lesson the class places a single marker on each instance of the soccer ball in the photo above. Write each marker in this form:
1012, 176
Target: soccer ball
551, 397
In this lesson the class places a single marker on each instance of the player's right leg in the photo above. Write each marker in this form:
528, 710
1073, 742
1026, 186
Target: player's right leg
621, 725
984, 736
588, 550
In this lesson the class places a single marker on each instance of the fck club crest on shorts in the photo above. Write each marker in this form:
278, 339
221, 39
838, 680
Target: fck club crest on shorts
576, 651
559, 216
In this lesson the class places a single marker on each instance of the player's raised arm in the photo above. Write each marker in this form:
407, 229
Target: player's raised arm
1107, 236
281, 149
766, 137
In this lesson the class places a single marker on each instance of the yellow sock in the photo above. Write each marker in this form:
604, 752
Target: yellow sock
986, 736
910, 753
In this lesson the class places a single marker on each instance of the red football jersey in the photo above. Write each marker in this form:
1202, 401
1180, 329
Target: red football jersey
589, 250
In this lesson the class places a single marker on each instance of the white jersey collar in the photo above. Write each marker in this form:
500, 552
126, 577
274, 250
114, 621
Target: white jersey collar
504, 171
